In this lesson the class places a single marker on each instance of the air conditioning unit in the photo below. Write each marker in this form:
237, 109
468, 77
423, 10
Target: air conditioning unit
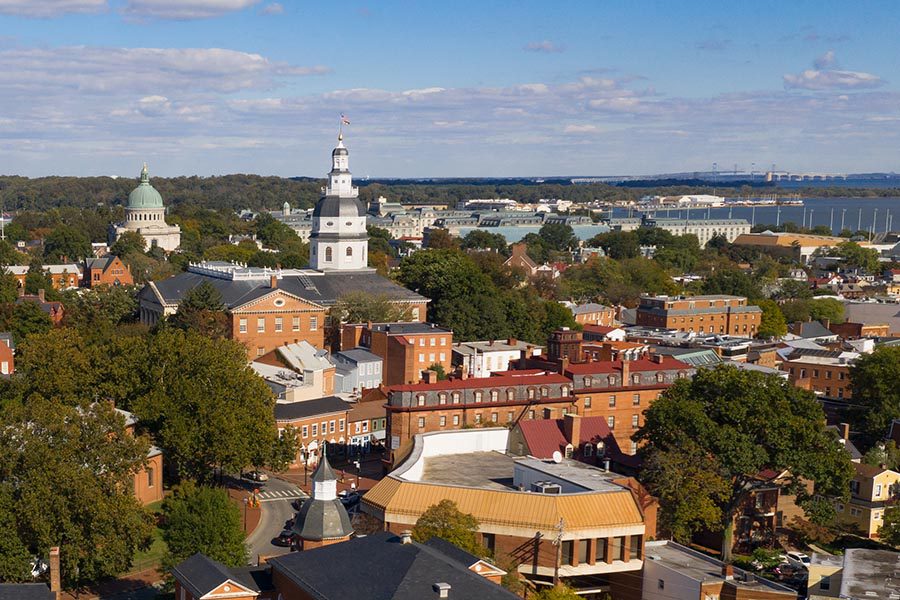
546, 487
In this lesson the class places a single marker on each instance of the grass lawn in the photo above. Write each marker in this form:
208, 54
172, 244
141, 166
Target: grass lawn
145, 559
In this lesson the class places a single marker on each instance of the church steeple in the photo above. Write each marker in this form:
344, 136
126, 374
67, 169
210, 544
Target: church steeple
322, 519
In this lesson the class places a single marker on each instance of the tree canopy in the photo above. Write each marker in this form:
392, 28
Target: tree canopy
876, 397
737, 423
446, 521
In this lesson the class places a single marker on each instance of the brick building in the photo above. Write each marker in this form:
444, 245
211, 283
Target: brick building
148, 483
7, 354
406, 349
55, 310
700, 314
318, 422
825, 372
592, 313
62, 276
502, 399
621, 390
109, 270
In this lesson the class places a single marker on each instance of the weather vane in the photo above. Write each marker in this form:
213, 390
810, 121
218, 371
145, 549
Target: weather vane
344, 121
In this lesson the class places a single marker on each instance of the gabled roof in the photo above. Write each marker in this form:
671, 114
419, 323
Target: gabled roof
201, 575
590, 307
811, 330
380, 567
483, 382
545, 436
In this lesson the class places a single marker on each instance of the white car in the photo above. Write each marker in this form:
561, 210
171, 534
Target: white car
256, 476
797, 559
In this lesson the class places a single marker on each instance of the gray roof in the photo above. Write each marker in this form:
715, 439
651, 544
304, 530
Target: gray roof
409, 328
356, 355
813, 329
339, 206
321, 288
697, 357
309, 408
99, 263
590, 307
849, 446
201, 575
870, 574
25, 591
382, 568
322, 520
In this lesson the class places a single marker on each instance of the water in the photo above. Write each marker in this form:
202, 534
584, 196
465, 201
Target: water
858, 214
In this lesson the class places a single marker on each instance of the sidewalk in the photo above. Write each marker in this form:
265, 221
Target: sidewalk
250, 515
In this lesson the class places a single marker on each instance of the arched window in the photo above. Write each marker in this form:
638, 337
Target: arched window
415, 314
510, 395
328, 254
349, 251
588, 449
588, 381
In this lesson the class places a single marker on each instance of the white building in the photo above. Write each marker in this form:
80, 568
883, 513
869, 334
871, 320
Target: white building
481, 359
704, 229
356, 370
339, 241
146, 215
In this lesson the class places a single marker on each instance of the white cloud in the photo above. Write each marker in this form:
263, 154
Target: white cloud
583, 128
184, 9
50, 8
545, 46
825, 76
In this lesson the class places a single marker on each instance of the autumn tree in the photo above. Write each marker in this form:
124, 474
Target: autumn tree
128, 242
202, 310
446, 521
740, 423
772, 322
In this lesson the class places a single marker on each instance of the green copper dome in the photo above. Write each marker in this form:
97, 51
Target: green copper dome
145, 195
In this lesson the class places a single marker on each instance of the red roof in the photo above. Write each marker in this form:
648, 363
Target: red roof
545, 436
612, 366
518, 372
482, 382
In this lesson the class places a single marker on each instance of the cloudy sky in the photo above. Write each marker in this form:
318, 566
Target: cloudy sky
462, 88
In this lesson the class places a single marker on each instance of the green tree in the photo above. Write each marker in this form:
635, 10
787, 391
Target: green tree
558, 236
733, 282
129, 242
828, 309
767, 558
362, 307
57, 364
36, 279
883, 453
204, 406
618, 244
66, 243
479, 239
876, 396
438, 368
854, 256
772, 322
14, 555
69, 472
889, 532
441, 239
23, 319
446, 521
9, 287
202, 310
101, 307
557, 592
202, 519
745, 422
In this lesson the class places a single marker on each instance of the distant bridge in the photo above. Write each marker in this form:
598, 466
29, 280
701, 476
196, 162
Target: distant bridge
788, 176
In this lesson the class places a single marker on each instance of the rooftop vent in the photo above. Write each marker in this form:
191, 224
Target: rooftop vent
441, 589
546, 487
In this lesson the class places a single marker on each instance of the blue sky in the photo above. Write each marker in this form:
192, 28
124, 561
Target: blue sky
440, 89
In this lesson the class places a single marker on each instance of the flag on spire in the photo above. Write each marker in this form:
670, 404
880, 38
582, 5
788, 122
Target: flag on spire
344, 120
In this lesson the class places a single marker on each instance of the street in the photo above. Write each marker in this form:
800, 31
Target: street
275, 497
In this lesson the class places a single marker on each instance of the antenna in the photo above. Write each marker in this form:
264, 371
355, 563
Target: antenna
557, 456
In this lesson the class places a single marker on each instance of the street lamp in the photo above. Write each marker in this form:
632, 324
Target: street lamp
246, 502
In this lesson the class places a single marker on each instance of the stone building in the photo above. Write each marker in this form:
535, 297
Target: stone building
146, 215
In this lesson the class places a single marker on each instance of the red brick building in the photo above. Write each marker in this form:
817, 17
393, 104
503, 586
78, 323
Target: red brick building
317, 422
406, 349
700, 314
109, 270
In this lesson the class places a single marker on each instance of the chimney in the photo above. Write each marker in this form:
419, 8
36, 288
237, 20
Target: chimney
464, 371
429, 376
55, 575
844, 428
572, 428
606, 465
41, 295
512, 341
441, 589
728, 572
406, 537
21, 291
827, 323
273, 281
626, 373
563, 365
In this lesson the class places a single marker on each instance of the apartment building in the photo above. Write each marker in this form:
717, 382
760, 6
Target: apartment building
872, 490
700, 314
825, 372
317, 422
406, 349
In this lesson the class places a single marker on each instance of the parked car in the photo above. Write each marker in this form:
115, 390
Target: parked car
289, 524
797, 559
285, 538
297, 504
256, 476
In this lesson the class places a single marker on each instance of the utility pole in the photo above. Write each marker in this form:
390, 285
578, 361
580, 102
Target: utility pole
859, 222
810, 217
558, 543
778, 216
804, 217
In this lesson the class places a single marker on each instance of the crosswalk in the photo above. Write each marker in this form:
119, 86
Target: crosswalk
274, 495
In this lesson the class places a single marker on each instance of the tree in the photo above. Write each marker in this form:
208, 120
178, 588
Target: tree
854, 256
772, 322
36, 279
68, 473
876, 396
826, 309
202, 310
101, 307
202, 519
446, 521
557, 592
767, 558
883, 453
733, 282
558, 236
441, 239
14, 554
889, 532
618, 244
204, 406
9, 287
362, 307
66, 243
479, 239
23, 319
57, 364
744, 422
438, 368
129, 242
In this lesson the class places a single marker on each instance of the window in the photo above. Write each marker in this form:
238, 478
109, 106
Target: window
478, 418
278, 324
431, 358
420, 399
531, 414
587, 401
443, 421
588, 381
618, 548
295, 323
825, 583
545, 392
421, 357
611, 421
494, 395
878, 490
494, 417
477, 396
635, 399
313, 323
442, 398
349, 252
568, 547
456, 419
569, 450
421, 422
455, 397
600, 550
633, 448
487, 540
243, 325
612, 400
588, 450
261, 325
509, 416
634, 547
510, 395
260, 350
635, 378
341, 425
150, 481
635, 420
324, 427
415, 314
331, 427
582, 552
827, 374
304, 431
315, 430
328, 254
531, 393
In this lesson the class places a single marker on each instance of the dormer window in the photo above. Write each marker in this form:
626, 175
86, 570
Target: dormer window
420, 399
588, 449
588, 381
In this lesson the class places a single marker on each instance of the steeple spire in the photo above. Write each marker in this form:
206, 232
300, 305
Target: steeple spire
145, 174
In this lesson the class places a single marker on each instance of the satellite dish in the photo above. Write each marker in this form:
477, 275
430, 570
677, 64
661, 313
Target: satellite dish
557, 456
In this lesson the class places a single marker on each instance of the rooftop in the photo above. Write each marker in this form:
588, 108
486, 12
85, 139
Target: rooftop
663, 363
291, 411
870, 574
492, 346
412, 328
486, 470
483, 382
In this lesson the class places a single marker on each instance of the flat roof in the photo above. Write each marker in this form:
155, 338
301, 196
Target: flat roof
486, 470
870, 574
580, 474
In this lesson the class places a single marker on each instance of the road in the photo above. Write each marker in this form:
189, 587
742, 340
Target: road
275, 508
